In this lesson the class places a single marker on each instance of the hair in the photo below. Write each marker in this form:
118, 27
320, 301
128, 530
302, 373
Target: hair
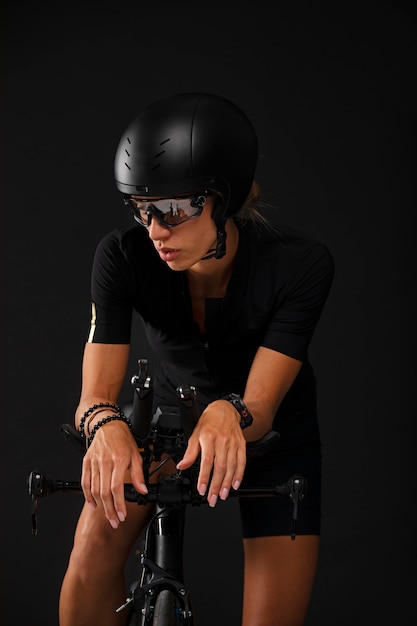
251, 211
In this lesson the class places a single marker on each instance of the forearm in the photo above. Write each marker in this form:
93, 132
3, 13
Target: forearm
270, 378
103, 373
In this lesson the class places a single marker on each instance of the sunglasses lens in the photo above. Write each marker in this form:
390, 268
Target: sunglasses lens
168, 211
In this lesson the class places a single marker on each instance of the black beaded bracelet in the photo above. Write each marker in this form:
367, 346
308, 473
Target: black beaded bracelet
94, 415
106, 405
110, 418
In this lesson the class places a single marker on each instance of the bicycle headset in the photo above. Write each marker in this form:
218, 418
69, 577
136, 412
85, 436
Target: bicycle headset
186, 143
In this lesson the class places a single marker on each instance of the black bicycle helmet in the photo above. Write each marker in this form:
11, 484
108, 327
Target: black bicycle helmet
186, 143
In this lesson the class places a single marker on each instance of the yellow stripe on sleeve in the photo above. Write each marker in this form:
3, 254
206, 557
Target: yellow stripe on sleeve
93, 323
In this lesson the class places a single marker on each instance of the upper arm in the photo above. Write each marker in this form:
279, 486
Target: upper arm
297, 309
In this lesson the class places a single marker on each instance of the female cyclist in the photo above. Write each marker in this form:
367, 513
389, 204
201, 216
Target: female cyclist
229, 304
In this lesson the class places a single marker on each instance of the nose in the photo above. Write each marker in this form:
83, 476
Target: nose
156, 231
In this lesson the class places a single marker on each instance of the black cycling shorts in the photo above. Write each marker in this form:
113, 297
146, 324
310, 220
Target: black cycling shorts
295, 453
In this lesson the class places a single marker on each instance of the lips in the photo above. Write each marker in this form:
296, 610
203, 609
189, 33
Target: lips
167, 254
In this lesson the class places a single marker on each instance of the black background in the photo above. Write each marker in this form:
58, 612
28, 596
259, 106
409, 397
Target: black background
330, 88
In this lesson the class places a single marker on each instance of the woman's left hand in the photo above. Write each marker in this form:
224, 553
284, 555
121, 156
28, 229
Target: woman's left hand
219, 438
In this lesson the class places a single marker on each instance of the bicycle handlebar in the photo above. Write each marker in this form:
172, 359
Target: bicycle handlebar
166, 432
170, 490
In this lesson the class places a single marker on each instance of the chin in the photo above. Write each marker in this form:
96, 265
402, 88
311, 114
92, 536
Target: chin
177, 265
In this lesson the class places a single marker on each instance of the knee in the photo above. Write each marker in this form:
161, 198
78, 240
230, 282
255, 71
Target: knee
92, 552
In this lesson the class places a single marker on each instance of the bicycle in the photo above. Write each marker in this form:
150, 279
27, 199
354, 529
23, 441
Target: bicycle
160, 597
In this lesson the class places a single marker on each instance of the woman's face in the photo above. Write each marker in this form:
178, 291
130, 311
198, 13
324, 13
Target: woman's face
185, 245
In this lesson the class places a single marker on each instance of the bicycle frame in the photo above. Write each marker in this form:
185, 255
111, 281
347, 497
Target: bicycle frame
160, 437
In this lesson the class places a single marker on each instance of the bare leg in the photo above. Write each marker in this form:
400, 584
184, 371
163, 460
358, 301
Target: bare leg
93, 586
279, 578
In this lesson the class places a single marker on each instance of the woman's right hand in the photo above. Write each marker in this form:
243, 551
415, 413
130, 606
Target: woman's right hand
112, 459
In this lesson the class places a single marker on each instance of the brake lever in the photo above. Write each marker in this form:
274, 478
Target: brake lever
34, 516
37, 486
297, 487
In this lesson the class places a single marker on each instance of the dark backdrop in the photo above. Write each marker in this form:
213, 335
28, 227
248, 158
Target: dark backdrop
330, 89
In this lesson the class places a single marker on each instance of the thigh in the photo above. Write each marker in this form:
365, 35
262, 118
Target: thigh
278, 580
272, 516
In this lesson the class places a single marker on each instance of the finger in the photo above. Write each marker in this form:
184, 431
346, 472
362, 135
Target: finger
95, 483
106, 496
229, 467
118, 502
136, 474
229, 476
240, 467
206, 467
86, 483
190, 455
220, 469
101, 487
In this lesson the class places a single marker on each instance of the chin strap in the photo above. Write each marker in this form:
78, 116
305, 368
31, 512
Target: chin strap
220, 250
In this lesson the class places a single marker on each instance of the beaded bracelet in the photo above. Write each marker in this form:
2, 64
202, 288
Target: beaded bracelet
94, 415
108, 405
110, 418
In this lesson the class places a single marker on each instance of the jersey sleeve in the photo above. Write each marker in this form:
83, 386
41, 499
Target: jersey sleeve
298, 309
112, 288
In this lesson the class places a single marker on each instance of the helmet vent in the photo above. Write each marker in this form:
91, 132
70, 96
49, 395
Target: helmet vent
128, 140
127, 166
128, 154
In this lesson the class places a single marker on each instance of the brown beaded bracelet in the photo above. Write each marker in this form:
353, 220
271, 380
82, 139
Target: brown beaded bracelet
106, 405
110, 418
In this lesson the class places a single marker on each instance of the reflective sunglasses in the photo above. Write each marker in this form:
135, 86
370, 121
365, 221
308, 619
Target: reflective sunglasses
169, 212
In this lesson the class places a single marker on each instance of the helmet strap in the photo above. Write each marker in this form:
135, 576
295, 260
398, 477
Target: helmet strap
221, 241
220, 250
